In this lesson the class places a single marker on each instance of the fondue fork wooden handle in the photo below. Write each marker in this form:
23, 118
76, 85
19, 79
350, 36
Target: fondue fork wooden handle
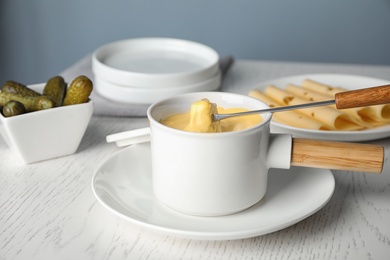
337, 155
363, 97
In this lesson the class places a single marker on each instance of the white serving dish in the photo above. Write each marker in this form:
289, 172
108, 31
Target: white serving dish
134, 95
155, 62
123, 185
346, 81
46, 134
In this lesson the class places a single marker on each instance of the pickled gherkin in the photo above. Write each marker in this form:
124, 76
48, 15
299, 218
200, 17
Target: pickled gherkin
16, 98
30, 103
18, 88
13, 108
78, 91
55, 89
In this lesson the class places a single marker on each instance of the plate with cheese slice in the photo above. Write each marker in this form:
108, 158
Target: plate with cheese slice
325, 123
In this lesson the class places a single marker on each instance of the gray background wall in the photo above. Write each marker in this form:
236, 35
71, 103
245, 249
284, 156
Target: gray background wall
40, 38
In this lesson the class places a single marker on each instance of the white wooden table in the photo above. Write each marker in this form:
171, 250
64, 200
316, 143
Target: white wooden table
48, 211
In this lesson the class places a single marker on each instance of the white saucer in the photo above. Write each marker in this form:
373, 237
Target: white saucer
123, 185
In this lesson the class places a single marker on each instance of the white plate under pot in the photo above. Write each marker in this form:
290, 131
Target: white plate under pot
123, 185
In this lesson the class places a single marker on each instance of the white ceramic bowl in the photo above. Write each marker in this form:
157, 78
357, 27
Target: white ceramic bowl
155, 62
134, 95
46, 134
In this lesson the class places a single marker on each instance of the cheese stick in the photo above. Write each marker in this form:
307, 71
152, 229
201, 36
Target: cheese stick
314, 96
291, 118
320, 87
379, 113
332, 118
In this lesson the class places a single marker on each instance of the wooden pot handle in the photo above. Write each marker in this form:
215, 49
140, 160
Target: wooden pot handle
337, 155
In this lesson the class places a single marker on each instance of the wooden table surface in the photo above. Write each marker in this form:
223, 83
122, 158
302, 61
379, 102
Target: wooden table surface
48, 210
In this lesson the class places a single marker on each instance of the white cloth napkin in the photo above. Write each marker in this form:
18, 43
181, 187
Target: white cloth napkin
106, 107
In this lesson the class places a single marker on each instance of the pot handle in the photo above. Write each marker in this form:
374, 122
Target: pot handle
131, 137
337, 155
285, 151
279, 151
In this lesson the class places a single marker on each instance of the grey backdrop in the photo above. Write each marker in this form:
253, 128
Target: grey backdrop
40, 38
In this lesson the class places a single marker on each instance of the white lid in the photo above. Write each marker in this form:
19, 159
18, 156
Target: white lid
155, 62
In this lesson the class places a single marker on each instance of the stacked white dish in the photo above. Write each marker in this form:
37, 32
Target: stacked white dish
145, 70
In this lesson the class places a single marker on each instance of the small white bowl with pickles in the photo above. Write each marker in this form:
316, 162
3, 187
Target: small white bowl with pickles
50, 133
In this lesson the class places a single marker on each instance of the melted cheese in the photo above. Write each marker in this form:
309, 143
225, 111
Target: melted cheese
199, 119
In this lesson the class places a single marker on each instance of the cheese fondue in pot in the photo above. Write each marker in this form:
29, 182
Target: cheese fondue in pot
199, 119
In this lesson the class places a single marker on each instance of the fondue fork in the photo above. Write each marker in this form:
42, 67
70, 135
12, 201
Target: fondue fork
348, 99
